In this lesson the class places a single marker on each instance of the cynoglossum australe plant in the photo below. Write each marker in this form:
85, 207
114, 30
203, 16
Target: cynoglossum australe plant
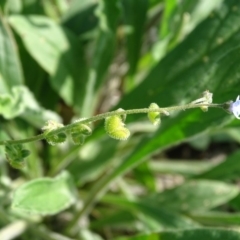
74, 62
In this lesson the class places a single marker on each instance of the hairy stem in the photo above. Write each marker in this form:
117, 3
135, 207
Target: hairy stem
108, 114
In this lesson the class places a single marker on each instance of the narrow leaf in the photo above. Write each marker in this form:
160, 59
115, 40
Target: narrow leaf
135, 16
10, 68
108, 14
80, 17
197, 195
155, 217
228, 169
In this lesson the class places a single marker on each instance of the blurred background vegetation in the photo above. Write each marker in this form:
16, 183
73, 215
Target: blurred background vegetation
67, 59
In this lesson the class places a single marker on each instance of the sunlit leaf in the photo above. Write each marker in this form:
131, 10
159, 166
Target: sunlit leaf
59, 52
45, 196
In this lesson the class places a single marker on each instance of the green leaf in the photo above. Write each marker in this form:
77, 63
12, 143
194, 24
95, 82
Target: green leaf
217, 218
10, 67
24, 7
80, 17
228, 169
45, 196
108, 14
21, 102
135, 16
155, 217
167, 18
3, 3
11, 105
200, 62
41, 80
58, 52
118, 219
196, 234
32, 7
186, 168
144, 175
196, 195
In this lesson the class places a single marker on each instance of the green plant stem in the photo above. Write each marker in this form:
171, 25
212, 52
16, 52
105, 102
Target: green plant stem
113, 113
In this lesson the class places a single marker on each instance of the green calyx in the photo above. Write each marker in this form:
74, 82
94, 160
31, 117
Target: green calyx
154, 117
16, 155
56, 139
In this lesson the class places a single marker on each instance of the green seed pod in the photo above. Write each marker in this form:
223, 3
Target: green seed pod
78, 138
116, 129
154, 117
79, 133
56, 138
16, 155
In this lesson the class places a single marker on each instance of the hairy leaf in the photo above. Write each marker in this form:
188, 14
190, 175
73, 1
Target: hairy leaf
45, 196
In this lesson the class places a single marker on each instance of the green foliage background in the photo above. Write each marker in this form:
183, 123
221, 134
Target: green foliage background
67, 59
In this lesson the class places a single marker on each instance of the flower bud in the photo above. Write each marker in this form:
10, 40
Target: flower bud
207, 96
234, 108
154, 117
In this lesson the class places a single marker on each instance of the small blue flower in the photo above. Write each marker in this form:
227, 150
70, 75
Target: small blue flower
235, 108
